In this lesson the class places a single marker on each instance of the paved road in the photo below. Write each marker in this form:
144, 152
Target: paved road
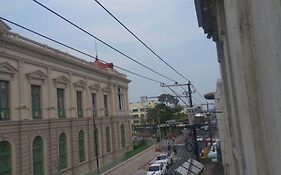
178, 159
182, 155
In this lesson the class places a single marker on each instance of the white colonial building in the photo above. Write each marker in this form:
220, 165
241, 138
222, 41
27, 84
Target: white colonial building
48, 100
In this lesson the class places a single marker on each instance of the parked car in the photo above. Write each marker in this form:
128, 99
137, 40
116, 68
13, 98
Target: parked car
165, 158
213, 153
156, 169
199, 139
205, 127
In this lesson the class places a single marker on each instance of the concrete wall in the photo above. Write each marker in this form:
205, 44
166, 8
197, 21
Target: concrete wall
251, 55
248, 36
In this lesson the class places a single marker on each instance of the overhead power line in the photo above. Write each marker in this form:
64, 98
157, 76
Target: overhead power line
177, 95
156, 81
196, 91
103, 42
46, 37
74, 49
199, 102
149, 48
84, 53
139, 39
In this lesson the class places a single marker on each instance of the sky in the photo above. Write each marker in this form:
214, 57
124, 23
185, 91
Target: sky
169, 27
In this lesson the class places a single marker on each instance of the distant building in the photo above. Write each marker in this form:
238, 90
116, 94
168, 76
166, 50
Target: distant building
48, 100
139, 111
193, 110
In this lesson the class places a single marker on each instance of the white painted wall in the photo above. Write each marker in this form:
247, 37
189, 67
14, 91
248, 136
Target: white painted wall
251, 71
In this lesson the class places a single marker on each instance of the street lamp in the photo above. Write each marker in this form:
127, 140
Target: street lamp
159, 129
95, 140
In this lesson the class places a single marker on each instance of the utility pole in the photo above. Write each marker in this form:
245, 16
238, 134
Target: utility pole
191, 105
208, 120
159, 129
169, 86
96, 141
193, 124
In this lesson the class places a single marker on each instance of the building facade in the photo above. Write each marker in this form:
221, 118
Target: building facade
139, 111
247, 36
48, 100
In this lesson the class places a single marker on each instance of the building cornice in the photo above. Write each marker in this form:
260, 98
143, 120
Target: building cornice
45, 52
206, 11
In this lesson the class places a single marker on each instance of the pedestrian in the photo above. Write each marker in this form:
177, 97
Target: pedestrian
169, 147
175, 149
201, 151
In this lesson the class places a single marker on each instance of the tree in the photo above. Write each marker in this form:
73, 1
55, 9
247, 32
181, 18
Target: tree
163, 111
168, 99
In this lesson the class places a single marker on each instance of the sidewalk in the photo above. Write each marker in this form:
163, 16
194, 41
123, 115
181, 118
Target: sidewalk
133, 164
213, 169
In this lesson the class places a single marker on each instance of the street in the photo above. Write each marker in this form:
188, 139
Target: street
178, 159
182, 154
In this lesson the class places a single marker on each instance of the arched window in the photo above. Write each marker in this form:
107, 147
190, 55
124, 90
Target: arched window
123, 138
5, 158
38, 156
81, 143
62, 151
107, 135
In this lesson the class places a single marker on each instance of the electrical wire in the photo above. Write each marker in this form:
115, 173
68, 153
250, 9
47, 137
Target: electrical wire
103, 42
139, 39
199, 93
200, 102
177, 96
149, 48
48, 38
185, 93
74, 49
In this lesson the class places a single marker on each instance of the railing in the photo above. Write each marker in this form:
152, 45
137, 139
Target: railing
61, 113
36, 113
80, 112
4, 114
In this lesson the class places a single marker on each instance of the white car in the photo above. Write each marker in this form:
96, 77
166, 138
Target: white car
205, 127
165, 158
199, 139
213, 153
156, 169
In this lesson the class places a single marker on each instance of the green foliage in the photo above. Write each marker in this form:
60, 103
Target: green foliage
164, 112
168, 99
181, 116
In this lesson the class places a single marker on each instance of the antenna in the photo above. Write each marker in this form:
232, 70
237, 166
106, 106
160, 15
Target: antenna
96, 47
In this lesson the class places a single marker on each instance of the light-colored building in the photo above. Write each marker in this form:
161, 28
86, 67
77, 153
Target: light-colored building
48, 100
193, 110
139, 111
248, 39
